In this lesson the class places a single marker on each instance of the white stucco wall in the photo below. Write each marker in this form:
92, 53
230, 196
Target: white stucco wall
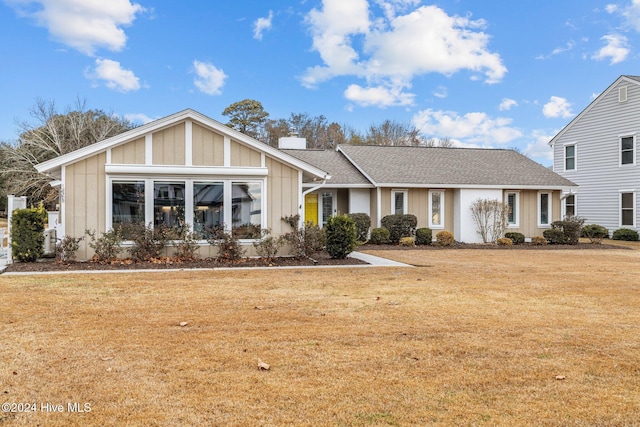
465, 228
359, 201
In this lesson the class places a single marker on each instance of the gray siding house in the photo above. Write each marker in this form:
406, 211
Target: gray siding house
598, 151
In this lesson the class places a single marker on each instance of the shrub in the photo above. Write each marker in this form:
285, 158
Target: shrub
27, 234
107, 246
304, 240
400, 226
341, 236
504, 241
187, 247
67, 247
148, 242
445, 238
363, 223
379, 236
554, 236
625, 234
516, 238
268, 246
538, 241
407, 241
490, 216
570, 227
229, 247
423, 236
595, 233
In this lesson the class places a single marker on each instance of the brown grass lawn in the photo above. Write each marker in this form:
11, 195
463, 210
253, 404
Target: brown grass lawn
471, 337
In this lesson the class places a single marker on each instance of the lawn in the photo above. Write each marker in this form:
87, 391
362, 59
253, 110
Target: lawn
468, 337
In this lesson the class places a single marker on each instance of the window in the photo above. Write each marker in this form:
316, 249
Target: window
399, 202
512, 202
544, 209
327, 207
570, 205
168, 204
246, 210
570, 157
627, 144
627, 209
128, 202
436, 209
208, 207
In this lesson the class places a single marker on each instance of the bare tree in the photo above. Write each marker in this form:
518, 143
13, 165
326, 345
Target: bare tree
491, 217
391, 132
445, 142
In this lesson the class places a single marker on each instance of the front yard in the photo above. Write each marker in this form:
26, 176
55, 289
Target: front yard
471, 337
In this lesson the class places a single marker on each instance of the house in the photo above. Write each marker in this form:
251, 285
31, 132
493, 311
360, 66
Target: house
597, 151
190, 169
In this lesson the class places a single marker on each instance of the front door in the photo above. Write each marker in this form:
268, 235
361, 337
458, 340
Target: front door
311, 208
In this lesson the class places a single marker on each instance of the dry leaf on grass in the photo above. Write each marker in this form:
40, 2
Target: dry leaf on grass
263, 366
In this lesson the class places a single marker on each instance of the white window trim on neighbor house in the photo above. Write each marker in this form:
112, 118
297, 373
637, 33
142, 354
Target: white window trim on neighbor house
515, 211
405, 201
149, 199
549, 209
633, 150
633, 207
439, 226
574, 157
565, 197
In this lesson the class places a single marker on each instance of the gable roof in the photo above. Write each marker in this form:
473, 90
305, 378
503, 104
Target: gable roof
451, 167
627, 78
188, 114
343, 172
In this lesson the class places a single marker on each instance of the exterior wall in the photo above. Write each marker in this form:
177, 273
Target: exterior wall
242, 155
85, 200
131, 153
282, 195
342, 201
598, 172
169, 146
373, 208
418, 205
208, 147
359, 201
465, 229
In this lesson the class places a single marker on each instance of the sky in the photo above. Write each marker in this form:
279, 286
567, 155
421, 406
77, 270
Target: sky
491, 74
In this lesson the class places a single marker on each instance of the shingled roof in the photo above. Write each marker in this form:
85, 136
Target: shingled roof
343, 172
449, 167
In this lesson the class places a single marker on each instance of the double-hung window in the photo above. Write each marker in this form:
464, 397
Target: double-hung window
436, 209
627, 209
513, 204
544, 209
570, 157
627, 150
570, 205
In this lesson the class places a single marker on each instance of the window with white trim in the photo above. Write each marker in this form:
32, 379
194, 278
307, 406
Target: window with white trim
128, 202
570, 205
436, 209
513, 201
208, 207
544, 209
399, 202
168, 203
627, 150
627, 209
570, 157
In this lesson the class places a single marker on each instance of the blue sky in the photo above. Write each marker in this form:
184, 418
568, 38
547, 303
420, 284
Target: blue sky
483, 74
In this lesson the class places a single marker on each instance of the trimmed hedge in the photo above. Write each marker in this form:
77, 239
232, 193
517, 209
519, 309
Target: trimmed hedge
445, 238
379, 236
595, 233
400, 226
27, 234
363, 223
554, 236
516, 238
424, 236
341, 236
504, 241
625, 234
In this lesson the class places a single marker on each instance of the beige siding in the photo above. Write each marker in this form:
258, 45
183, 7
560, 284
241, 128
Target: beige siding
373, 207
418, 205
528, 217
169, 146
85, 200
385, 198
208, 147
241, 155
282, 190
131, 153
449, 198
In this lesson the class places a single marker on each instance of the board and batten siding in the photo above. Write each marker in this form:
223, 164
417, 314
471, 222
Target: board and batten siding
282, 195
598, 172
131, 153
207, 147
529, 210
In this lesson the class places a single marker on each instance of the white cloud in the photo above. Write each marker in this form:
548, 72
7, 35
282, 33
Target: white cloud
616, 49
84, 25
557, 107
209, 79
138, 118
261, 25
539, 148
441, 92
630, 14
390, 51
378, 96
471, 129
114, 76
507, 104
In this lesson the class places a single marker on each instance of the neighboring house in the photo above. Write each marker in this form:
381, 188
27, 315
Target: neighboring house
598, 151
438, 185
189, 169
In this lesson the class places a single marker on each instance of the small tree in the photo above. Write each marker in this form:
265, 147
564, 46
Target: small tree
491, 217
341, 236
27, 235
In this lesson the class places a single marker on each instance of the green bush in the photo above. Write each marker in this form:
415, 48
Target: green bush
106, 248
424, 236
363, 223
516, 238
595, 233
571, 226
341, 236
625, 234
400, 226
27, 234
445, 238
554, 236
379, 236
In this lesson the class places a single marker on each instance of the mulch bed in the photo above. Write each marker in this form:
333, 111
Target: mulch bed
493, 246
163, 264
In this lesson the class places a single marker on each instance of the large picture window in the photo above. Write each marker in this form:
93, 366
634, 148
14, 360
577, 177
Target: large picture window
168, 204
246, 213
208, 208
128, 202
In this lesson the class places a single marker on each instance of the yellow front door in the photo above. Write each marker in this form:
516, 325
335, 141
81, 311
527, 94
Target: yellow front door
311, 208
